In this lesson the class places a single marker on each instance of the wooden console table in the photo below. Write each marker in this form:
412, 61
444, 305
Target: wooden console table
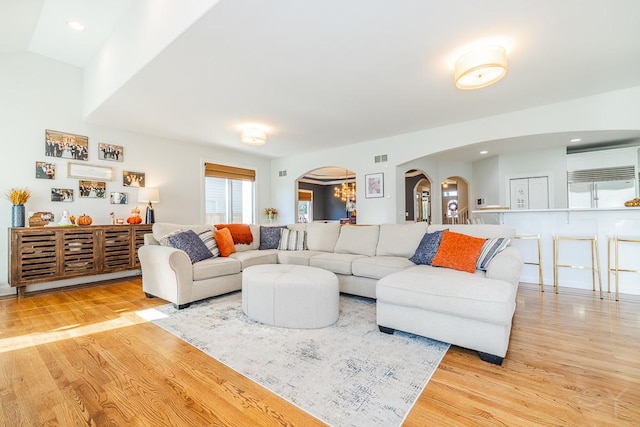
46, 254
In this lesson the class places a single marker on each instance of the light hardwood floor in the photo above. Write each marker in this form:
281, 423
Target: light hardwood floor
83, 357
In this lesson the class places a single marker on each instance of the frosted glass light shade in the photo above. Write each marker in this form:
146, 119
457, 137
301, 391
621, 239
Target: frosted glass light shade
481, 67
147, 194
253, 135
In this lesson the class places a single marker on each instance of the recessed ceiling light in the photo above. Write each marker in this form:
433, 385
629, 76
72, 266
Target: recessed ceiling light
484, 152
75, 25
576, 140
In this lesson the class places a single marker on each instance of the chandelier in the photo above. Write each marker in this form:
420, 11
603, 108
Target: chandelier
346, 191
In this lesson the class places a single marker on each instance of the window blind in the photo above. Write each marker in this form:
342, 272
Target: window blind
214, 170
303, 196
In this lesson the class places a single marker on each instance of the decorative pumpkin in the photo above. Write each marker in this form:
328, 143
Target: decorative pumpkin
84, 220
134, 220
135, 216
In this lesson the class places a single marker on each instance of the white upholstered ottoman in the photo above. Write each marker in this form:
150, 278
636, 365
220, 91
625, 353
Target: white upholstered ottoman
291, 296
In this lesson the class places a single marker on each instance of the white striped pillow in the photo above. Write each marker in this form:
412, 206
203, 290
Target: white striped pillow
210, 242
490, 249
292, 240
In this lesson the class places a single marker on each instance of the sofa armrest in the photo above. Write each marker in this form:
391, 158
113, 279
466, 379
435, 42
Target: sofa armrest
507, 266
150, 240
166, 273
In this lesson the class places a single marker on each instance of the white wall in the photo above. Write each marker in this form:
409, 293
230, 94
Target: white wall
486, 182
549, 162
609, 111
38, 94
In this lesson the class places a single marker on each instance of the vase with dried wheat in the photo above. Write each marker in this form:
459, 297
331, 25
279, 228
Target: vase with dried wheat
18, 197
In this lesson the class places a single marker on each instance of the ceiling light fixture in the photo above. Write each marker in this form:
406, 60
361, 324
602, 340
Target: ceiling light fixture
576, 140
253, 134
484, 152
75, 25
480, 67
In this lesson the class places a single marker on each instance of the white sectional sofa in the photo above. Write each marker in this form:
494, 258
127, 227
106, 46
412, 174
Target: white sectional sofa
465, 309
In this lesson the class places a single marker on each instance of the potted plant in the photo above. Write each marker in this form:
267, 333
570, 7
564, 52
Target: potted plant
271, 213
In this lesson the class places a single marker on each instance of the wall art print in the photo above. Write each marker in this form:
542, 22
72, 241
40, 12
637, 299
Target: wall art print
66, 145
45, 170
92, 189
133, 179
114, 153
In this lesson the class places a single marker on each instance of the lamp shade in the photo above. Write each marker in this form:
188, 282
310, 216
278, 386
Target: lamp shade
253, 135
147, 194
481, 67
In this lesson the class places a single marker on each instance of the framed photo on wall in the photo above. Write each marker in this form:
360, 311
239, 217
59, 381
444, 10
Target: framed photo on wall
45, 170
62, 194
114, 153
118, 198
66, 145
92, 189
132, 179
374, 185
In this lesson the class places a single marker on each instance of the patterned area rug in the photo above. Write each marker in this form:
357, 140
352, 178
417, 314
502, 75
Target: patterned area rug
348, 374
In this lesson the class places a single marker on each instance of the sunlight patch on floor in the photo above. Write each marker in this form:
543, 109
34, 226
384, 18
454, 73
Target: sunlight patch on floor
151, 314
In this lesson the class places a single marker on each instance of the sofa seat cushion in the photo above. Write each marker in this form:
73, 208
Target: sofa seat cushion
337, 263
256, 257
215, 267
297, 257
377, 267
452, 292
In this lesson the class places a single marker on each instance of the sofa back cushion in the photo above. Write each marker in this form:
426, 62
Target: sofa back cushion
358, 240
485, 231
400, 240
162, 230
322, 236
255, 244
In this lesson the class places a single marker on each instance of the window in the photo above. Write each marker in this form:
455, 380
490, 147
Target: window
228, 194
305, 207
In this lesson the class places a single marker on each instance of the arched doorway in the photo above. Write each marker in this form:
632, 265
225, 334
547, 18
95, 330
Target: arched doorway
327, 194
417, 196
455, 200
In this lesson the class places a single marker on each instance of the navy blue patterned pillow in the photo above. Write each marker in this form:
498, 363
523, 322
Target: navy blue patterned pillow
427, 248
191, 243
270, 237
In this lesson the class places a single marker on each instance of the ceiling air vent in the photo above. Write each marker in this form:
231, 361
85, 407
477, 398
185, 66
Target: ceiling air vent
622, 173
382, 158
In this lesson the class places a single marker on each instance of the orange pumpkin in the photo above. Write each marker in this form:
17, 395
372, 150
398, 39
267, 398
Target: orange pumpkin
134, 220
84, 220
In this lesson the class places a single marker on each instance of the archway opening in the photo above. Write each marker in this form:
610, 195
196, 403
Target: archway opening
327, 194
455, 200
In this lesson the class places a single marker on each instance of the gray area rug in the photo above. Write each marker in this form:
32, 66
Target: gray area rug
348, 374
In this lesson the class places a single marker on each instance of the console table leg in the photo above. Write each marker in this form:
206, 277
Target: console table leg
21, 291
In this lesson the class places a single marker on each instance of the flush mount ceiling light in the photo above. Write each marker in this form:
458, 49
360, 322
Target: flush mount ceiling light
253, 134
75, 25
481, 67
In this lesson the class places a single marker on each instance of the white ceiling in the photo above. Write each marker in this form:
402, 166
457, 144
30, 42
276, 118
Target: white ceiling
327, 73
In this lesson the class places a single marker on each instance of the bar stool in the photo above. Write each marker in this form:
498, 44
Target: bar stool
539, 263
616, 239
595, 259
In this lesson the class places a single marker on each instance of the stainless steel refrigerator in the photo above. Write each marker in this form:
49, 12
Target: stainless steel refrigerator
601, 188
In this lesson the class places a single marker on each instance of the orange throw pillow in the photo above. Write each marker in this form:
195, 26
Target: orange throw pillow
458, 251
224, 242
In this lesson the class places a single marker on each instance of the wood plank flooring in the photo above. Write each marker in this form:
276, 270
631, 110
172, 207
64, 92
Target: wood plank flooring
83, 357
